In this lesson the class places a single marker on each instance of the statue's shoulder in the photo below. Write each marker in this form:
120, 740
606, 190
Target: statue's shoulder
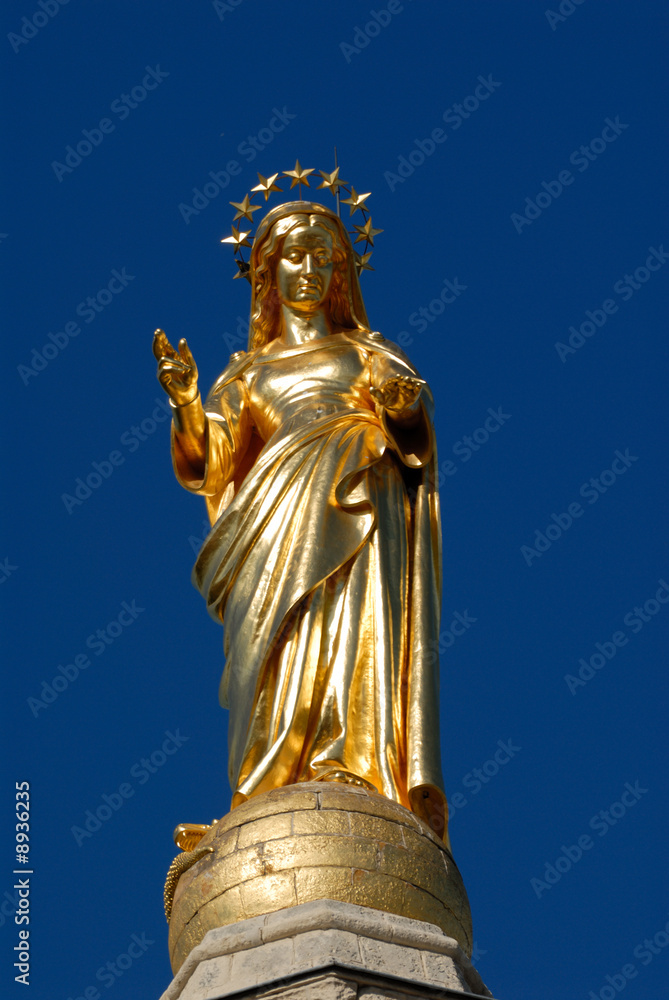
235, 368
372, 340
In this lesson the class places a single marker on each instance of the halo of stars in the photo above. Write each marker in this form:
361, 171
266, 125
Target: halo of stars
299, 176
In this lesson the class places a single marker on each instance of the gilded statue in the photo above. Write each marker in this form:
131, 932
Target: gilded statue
316, 456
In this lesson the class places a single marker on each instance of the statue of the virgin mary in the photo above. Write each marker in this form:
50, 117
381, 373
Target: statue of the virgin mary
315, 453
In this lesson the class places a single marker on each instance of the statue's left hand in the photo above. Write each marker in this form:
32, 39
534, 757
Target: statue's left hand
398, 393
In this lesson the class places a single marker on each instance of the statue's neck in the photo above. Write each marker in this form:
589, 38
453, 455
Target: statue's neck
301, 327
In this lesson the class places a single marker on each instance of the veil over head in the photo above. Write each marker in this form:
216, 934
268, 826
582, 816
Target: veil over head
347, 309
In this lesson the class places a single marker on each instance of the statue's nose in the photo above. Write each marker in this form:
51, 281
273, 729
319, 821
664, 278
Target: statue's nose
308, 264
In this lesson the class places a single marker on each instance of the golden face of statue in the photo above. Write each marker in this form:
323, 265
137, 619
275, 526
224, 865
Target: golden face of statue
304, 269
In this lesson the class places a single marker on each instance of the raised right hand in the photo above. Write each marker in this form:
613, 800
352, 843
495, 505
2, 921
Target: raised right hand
177, 371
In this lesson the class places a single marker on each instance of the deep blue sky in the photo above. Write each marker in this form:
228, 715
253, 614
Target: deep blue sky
463, 215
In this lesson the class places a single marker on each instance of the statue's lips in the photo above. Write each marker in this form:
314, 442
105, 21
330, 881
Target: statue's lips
308, 286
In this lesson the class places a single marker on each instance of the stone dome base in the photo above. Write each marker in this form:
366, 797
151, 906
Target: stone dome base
318, 840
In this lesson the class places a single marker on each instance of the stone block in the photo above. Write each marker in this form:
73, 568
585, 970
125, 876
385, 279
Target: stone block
413, 867
375, 828
422, 906
324, 987
311, 850
327, 950
335, 796
261, 965
209, 979
225, 842
441, 971
331, 883
313, 949
280, 886
333, 823
387, 893
386, 957
267, 828
415, 840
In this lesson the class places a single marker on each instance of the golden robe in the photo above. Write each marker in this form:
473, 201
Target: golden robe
324, 564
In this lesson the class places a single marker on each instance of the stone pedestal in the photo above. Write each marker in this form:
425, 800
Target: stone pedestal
321, 891
315, 841
327, 950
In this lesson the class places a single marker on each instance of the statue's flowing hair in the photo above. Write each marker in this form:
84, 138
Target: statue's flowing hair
345, 303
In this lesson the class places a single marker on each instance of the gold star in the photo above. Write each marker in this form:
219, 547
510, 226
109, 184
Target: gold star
331, 181
361, 262
366, 232
245, 209
267, 185
298, 175
356, 201
237, 239
244, 270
